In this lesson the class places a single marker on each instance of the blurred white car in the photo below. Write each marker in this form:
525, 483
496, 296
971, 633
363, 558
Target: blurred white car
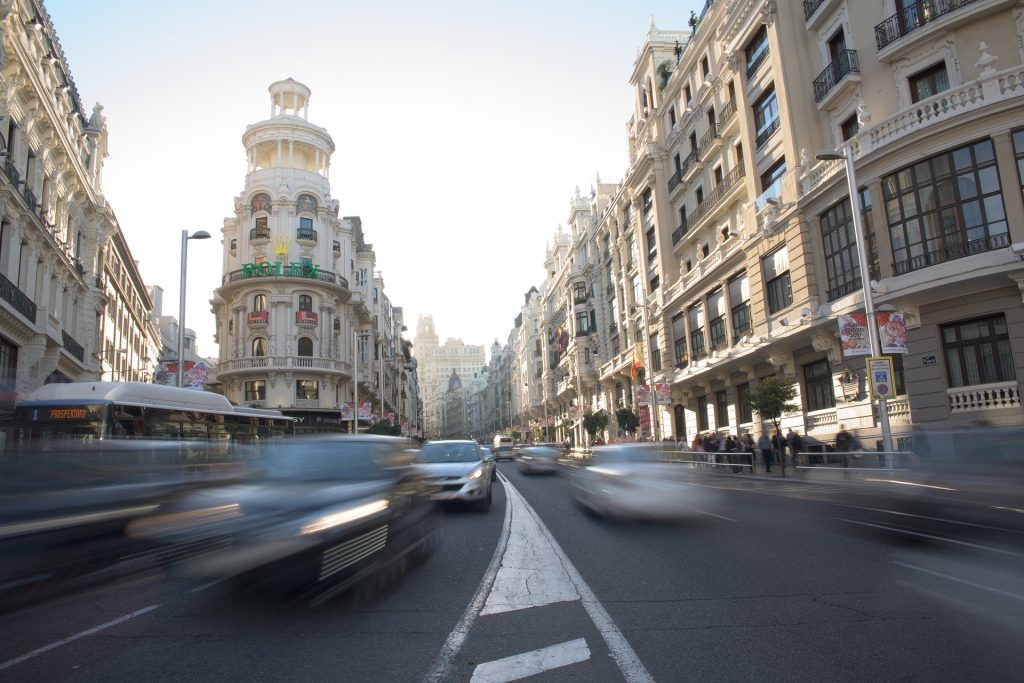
539, 458
635, 481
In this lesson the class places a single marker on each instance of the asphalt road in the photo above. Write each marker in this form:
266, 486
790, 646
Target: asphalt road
777, 580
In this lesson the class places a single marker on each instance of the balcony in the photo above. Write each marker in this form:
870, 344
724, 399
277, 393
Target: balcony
258, 318
675, 179
764, 135
690, 164
306, 318
72, 346
952, 252
12, 172
275, 270
709, 141
678, 233
306, 403
771, 193
306, 235
285, 363
845, 289
726, 115
756, 63
336, 248
259, 234
21, 302
30, 199
717, 195
843, 69
822, 420
984, 397
810, 7
913, 17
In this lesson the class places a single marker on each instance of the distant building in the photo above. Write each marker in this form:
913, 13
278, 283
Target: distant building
436, 364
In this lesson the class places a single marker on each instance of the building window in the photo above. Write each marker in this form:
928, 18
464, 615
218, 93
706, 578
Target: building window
869, 232
582, 323
743, 403
766, 116
716, 319
648, 200
818, 385
304, 346
1018, 150
931, 81
696, 316
849, 127
699, 195
771, 182
305, 228
672, 117
632, 250
842, 262
756, 50
259, 303
679, 340
308, 389
8, 366
637, 295
579, 292
260, 230
687, 94
739, 301
305, 302
256, 390
978, 352
654, 283
946, 207
702, 414
721, 409
776, 280
259, 347
655, 353
652, 245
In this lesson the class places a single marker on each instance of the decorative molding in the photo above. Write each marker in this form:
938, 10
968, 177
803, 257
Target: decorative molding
945, 48
1019, 279
825, 341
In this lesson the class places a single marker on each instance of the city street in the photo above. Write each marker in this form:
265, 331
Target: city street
777, 580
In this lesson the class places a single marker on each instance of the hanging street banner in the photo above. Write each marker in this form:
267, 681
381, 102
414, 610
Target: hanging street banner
347, 411
663, 393
853, 334
365, 411
881, 377
892, 332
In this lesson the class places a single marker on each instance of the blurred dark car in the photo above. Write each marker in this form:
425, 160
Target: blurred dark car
539, 458
325, 513
65, 505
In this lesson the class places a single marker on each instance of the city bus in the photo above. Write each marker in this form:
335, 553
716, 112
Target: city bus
137, 410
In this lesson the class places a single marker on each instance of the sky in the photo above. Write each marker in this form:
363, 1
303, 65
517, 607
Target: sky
461, 130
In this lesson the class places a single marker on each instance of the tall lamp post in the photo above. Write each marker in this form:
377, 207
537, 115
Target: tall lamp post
865, 279
185, 237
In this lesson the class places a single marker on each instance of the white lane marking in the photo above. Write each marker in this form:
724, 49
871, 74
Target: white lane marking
938, 519
211, 584
531, 574
531, 663
440, 671
630, 665
932, 537
70, 639
965, 582
712, 514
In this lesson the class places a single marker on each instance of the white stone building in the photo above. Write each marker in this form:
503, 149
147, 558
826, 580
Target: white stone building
436, 363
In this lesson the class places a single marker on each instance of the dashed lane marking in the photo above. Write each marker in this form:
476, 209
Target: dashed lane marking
532, 663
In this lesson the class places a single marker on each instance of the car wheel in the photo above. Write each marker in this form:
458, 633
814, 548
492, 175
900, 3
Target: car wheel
485, 504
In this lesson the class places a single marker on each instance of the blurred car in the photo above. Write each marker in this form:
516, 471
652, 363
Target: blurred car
489, 457
635, 481
458, 470
539, 458
324, 513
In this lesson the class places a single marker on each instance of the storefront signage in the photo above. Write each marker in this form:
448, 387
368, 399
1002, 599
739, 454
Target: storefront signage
277, 269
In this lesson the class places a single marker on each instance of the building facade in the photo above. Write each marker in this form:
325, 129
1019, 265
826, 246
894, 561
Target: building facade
302, 322
435, 363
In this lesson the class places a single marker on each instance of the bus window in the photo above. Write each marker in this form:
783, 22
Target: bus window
127, 421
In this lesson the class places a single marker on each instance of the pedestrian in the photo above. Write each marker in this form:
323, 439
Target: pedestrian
764, 444
697, 444
796, 445
748, 446
779, 446
844, 444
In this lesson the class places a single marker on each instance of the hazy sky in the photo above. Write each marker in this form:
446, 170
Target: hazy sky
461, 130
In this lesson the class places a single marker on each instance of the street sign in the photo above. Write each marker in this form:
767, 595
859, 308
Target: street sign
881, 375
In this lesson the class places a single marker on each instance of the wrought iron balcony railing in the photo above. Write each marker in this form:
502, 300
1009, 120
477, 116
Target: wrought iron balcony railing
259, 234
810, 7
717, 195
951, 252
843, 65
913, 17
72, 346
10, 293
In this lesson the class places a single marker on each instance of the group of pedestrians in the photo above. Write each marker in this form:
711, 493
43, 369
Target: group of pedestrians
773, 448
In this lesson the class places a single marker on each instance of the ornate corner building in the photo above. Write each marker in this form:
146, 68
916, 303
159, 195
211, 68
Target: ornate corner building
72, 303
302, 320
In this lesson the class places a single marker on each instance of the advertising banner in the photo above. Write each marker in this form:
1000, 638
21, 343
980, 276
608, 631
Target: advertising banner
853, 333
892, 332
365, 411
347, 411
663, 394
195, 374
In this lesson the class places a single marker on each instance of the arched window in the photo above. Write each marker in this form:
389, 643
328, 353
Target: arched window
305, 346
260, 208
259, 303
305, 302
259, 347
260, 202
306, 203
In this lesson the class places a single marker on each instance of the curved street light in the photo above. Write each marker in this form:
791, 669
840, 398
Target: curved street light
185, 237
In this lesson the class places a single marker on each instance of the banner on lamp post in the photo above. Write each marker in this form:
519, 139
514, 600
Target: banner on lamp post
892, 332
853, 334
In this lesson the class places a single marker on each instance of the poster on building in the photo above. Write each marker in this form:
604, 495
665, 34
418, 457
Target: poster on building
880, 376
194, 378
645, 420
853, 333
892, 332
346, 411
365, 410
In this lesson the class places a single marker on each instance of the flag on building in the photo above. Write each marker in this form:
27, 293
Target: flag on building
638, 363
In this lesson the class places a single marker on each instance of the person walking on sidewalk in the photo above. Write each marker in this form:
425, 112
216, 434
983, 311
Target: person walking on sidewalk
764, 444
796, 444
748, 446
779, 445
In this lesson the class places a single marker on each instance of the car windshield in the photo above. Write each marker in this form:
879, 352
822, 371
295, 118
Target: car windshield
329, 460
444, 452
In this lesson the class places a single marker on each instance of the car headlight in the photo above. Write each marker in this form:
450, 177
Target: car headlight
345, 516
476, 474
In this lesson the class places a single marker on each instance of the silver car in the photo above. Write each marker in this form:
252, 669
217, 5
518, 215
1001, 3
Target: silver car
539, 458
458, 470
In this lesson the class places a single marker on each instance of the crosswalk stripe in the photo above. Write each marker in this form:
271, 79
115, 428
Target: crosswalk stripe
531, 663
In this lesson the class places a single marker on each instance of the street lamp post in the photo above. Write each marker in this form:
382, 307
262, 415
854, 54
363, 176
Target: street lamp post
865, 279
185, 237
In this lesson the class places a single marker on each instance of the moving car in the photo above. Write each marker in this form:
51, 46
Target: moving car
458, 471
489, 457
538, 458
325, 513
634, 481
504, 447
